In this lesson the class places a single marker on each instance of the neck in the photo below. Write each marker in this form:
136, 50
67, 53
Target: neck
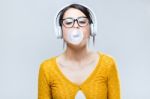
77, 54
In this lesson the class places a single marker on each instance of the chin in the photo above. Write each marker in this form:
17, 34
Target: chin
78, 46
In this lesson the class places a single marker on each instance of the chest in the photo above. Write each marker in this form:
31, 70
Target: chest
78, 74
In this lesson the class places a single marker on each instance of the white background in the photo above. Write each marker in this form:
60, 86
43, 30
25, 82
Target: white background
27, 38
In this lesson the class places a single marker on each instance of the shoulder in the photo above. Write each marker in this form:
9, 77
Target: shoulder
47, 64
107, 60
46, 69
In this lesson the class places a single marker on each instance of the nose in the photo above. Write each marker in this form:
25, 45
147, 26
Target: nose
75, 24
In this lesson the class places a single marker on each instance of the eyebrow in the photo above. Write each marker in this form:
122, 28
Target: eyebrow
74, 18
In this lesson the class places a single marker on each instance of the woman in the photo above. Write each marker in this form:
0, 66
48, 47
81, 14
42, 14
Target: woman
78, 70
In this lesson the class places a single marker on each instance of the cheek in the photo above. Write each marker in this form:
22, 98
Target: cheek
86, 32
64, 31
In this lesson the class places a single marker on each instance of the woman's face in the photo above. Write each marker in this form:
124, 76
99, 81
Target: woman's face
75, 14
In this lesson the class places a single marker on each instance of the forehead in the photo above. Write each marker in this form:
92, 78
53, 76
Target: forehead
74, 13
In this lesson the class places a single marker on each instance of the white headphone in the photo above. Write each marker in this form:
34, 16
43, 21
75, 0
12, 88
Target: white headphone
58, 29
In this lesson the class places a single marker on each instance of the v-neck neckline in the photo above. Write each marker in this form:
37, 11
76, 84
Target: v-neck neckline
89, 77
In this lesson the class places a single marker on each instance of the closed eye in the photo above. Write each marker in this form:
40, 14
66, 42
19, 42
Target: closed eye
68, 23
82, 22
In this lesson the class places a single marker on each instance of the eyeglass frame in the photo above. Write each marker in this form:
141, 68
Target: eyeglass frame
74, 21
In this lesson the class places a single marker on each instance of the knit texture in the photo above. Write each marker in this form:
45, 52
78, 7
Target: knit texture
102, 83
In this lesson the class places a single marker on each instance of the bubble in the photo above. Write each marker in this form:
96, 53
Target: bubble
75, 36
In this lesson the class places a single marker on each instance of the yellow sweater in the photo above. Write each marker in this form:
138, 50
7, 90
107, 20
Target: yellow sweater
102, 83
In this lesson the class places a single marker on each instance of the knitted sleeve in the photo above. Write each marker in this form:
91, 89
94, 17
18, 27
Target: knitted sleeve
113, 81
44, 90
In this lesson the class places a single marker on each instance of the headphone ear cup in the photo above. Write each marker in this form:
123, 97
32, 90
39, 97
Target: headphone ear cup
92, 30
59, 32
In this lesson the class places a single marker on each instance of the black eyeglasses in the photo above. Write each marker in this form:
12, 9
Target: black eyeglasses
69, 22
